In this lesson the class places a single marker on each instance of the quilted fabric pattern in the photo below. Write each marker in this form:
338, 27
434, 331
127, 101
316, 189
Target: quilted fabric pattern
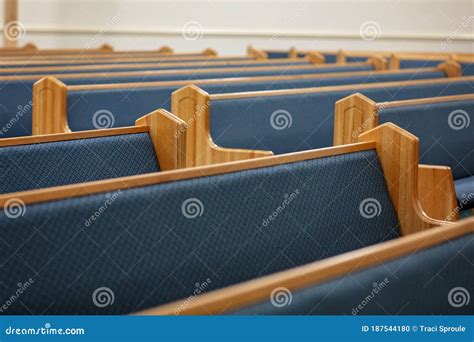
128, 104
145, 249
445, 131
36, 166
247, 122
417, 284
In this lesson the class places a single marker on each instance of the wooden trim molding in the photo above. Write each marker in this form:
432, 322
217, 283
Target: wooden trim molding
258, 290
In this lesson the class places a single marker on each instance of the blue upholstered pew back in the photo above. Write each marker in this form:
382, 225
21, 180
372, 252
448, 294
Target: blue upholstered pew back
446, 138
220, 229
129, 104
301, 121
27, 167
330, 57
14, 93
416, 284
467, 69
360, 59
142, 66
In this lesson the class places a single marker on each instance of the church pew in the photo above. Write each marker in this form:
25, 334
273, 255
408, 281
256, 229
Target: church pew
407, 276
148, 64
16, 94
84, 100
57, 159
166, 232
284, 121
441, 123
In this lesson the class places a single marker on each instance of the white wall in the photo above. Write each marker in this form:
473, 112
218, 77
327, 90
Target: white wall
228, 26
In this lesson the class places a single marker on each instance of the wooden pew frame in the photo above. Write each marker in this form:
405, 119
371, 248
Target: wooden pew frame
357, 114
396, 149
252, 292
167, 133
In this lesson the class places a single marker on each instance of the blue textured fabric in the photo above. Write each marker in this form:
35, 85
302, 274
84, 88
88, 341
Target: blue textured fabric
419, 63
128, 104
247, 122
26, 167
416, 284
153, 67
150, 247
445, 131
467, 69
465, 192
330, 58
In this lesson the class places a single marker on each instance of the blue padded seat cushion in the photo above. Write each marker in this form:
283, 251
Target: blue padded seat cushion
26, 167
128, 104
277, 54
445, 138
465, 192
330, 58
416, 284
148, 252
247, 122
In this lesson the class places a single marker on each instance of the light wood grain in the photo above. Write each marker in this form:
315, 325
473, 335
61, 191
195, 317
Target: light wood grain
436, 192
49, 107
398, 153
168, 134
